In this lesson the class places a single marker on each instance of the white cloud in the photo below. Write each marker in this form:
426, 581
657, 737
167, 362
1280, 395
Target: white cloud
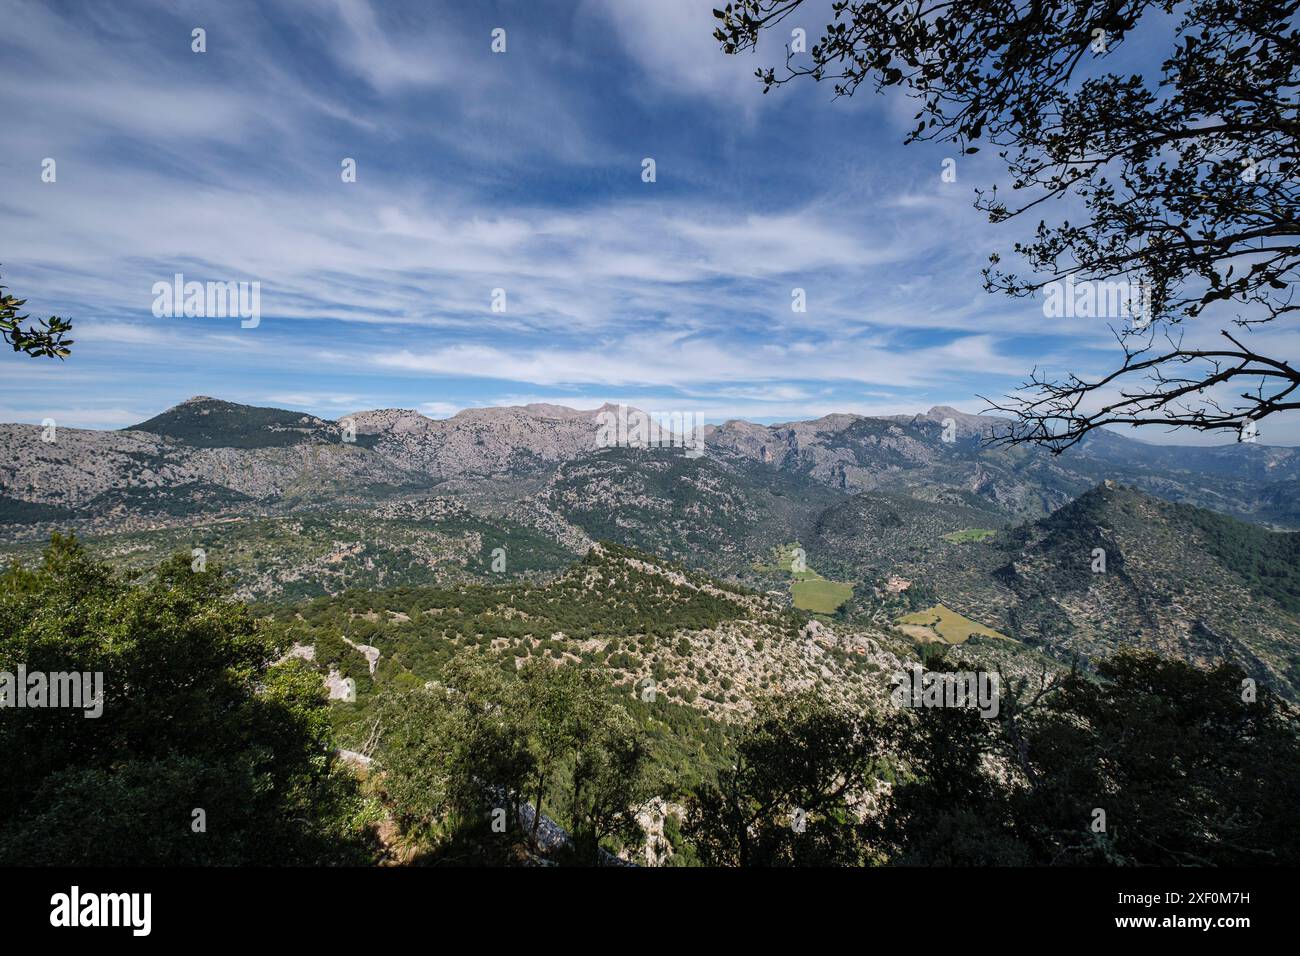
75, 416
672, 42
386, 58
674, 362
439, 409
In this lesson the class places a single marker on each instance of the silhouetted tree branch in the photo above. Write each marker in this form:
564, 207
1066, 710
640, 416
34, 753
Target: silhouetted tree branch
1056, 417
1187, 180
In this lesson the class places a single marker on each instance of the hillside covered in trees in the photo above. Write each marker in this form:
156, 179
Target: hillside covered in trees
472, 740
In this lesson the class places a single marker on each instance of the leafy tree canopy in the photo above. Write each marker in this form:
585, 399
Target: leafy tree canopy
1186, 176
195, 717
43, 338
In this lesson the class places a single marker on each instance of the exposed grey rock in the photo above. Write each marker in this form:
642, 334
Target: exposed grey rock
341, 688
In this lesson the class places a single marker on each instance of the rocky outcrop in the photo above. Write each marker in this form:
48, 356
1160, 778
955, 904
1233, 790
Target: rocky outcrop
340, 687
371, 654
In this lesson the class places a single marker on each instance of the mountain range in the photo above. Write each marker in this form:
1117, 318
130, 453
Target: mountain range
206, 456
860, 522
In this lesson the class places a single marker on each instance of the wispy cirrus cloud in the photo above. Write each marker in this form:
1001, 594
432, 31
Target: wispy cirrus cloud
479, 172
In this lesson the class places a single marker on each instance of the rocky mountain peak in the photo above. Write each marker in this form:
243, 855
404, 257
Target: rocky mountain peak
396, 420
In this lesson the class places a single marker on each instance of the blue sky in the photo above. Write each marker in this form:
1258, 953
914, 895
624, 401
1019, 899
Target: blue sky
479, 171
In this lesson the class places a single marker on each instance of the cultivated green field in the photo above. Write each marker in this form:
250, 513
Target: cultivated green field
808, 589
819, 595
969, 534
940, 623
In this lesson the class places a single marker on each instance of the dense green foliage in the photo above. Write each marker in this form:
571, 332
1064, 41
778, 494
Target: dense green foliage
482, 749
195, 717
462, 762
789, 798
211, 423
290, 558
16, 511
433, 622
1185, 771
424, 632
1268, 561
1156, 763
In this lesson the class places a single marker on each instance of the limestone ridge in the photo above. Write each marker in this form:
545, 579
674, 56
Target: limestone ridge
209, 456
